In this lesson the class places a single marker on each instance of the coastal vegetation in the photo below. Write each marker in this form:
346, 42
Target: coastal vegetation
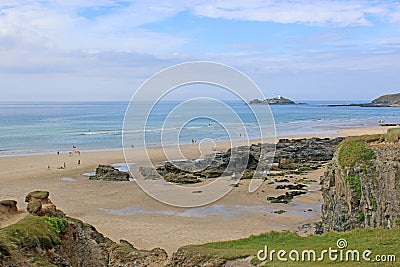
379, 241
353, 150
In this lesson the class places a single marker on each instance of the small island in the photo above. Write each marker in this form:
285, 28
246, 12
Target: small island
272, 101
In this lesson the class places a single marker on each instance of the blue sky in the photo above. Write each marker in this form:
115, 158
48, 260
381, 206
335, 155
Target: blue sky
104, 49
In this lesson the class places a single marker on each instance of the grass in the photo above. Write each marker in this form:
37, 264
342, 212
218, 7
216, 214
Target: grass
58, 224
392, 135
355, 184
354, 150
379, 241
31, 232
374, 204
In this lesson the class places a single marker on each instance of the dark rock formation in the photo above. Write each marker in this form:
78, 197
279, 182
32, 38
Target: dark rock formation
286, 198
296, 156
291, 186
308, 154
361, 191
272, 101
39, 204
109, 173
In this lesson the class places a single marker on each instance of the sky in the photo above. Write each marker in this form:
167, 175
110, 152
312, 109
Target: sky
103, 50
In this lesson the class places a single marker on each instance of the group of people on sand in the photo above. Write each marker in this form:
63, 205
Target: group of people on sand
71, 153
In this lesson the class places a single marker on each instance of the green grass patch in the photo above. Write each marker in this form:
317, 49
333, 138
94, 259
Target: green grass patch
354, 150
355, 184
30, 232
392, 135
379, 241
59, 224
374, 204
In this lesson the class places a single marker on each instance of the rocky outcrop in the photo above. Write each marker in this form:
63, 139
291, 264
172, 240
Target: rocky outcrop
305, 153
392, 100
109, 173
272, 101
39, 204
361, 187
297, 155
38, 240
8, 207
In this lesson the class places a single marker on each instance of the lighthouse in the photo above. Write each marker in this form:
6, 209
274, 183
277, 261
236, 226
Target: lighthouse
279, 97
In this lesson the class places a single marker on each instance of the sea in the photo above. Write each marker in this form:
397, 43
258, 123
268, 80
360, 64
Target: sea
47, 127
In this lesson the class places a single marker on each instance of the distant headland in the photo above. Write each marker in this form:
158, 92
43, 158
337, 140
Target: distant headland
272, 101
390, 100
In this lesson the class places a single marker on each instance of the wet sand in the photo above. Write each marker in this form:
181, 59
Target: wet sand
121, 210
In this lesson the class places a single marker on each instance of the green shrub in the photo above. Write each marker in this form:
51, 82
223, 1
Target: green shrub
354, 150
355, 184
59, 224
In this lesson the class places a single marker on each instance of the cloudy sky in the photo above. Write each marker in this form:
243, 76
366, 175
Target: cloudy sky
104, 49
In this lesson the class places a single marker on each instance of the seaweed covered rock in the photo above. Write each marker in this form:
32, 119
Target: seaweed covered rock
109, 173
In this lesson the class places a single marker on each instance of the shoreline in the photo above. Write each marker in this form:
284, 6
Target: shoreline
339, 132
89, 200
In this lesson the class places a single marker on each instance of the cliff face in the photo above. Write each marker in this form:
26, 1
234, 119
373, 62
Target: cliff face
361, 187
47, 237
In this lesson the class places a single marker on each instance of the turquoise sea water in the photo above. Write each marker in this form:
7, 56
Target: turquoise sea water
28, 128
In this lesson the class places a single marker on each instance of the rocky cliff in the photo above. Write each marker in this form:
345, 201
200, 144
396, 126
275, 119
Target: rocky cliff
361, 187
47, 237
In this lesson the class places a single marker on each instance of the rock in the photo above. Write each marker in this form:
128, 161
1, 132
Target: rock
363, 194
291, 186
286, 198
392, 100
42, 241
8, 207
43, 196
292, 156
181, 178
279, 211
39, 204
109, 173
149, 173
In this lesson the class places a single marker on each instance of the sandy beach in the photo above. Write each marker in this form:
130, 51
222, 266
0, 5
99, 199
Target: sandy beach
121, 210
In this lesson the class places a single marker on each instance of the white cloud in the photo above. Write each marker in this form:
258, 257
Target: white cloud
105, 39
337, 13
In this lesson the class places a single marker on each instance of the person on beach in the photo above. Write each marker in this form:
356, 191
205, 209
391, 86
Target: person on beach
48, 167
65, 166
233, 176
58, 152
79, 162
